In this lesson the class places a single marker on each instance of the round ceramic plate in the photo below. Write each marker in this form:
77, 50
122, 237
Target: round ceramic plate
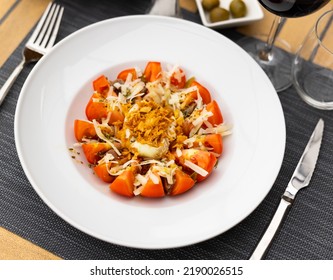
59, 87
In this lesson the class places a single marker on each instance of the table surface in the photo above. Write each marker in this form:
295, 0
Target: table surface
29, 230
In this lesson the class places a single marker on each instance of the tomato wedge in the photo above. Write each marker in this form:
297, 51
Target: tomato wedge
152, 71
183, 182
204, 92
217, 117
101, 171
123, 74
101, 85
95, 151
116, 116
99, 110
124, 184
178, 78
84, 129
96, 110
203, 159
153, 190
214, 141
193, 95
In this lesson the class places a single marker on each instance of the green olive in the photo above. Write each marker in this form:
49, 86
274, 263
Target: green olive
210, 4
219, 14
238, 8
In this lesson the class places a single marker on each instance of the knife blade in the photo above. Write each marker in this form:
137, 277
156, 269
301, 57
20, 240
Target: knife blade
300, 179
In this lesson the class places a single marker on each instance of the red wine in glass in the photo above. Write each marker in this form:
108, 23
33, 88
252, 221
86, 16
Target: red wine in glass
276, 62
293, 8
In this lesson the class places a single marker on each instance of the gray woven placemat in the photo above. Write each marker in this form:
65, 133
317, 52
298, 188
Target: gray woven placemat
307, 232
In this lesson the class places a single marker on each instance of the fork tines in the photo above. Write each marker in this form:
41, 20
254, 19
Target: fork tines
47, 28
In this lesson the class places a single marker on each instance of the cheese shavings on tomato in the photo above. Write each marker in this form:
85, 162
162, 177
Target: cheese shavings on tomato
103, 137
196, 168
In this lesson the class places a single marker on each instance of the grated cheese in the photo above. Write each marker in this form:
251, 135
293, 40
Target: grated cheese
196, 168
204, 115
102, 137
138, 190
153, 177
142, 180
222, 129
106, 159
178, 152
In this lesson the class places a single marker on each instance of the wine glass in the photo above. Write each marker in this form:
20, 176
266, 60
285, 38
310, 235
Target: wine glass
166, 8
275, 61
312, 69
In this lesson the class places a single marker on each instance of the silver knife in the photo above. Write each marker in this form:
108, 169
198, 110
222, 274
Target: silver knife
300, 179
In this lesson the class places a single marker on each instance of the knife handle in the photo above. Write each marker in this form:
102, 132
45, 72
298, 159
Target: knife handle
270, 232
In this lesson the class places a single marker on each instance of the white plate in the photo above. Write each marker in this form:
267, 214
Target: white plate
254, 13
59, 87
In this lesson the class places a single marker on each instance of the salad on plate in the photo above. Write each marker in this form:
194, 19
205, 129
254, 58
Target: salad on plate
151, 133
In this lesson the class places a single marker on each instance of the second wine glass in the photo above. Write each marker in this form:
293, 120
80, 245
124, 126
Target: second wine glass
276, 62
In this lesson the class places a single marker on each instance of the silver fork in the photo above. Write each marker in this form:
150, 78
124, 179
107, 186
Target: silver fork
40, 42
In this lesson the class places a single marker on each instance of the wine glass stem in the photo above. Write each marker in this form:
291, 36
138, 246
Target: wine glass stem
266, 53
178, 9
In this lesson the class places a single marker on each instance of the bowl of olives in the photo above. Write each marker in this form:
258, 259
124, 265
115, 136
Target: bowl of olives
228, 13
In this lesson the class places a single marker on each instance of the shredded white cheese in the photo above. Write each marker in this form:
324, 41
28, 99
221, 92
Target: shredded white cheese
106, 159
196, 168
178, 152
222, 129
141, 180
154, 178
204, 115
102, 136
128, 133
